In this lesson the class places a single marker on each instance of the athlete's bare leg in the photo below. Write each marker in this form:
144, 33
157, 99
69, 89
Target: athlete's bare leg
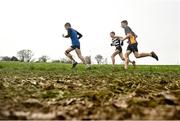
113, 56
67, 53
78, 52
122, 57
127, 59
141, 55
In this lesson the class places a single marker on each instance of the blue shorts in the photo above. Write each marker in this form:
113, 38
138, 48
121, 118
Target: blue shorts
75, 46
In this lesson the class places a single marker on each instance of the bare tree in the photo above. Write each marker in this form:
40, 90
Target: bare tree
99, 58
105, 61
25, 55
43, 58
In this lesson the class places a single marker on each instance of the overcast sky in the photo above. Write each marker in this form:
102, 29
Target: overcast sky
39, 24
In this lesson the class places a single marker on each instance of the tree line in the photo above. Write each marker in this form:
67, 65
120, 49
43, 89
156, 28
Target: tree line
26, 55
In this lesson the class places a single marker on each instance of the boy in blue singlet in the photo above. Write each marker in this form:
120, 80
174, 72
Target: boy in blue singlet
75, 36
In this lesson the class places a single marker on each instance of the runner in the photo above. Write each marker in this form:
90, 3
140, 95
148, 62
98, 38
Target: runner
132, 47
75, 36
116, 41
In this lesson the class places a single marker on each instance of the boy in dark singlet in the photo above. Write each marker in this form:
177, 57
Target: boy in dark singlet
132, 47
116, 41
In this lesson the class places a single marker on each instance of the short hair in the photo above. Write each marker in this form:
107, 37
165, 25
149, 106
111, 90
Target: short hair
125, 21
67, 24
112, 32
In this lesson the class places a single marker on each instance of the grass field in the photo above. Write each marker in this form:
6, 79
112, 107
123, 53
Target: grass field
54, 91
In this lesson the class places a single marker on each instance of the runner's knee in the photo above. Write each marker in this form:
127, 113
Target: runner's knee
137, 55
66, 52
112, 56
123, 59
126, 55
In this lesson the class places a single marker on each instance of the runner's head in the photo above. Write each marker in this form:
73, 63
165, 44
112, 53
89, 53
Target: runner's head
67, 25
112, 34
124, 23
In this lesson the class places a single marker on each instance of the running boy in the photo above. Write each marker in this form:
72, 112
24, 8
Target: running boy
116, 41
75, 36
132, 47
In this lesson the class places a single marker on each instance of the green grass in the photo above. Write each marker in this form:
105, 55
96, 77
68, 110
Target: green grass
102, 69
102, 92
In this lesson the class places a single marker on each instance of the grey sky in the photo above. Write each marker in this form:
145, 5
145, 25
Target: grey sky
38, 25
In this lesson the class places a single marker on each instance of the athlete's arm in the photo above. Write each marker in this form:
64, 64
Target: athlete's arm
79, 35
118, 37
68, 34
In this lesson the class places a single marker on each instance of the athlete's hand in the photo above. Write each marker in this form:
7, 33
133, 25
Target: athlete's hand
112, 44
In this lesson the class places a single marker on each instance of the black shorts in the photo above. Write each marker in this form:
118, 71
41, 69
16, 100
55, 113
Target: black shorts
75, 46
132, 47
119, 48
